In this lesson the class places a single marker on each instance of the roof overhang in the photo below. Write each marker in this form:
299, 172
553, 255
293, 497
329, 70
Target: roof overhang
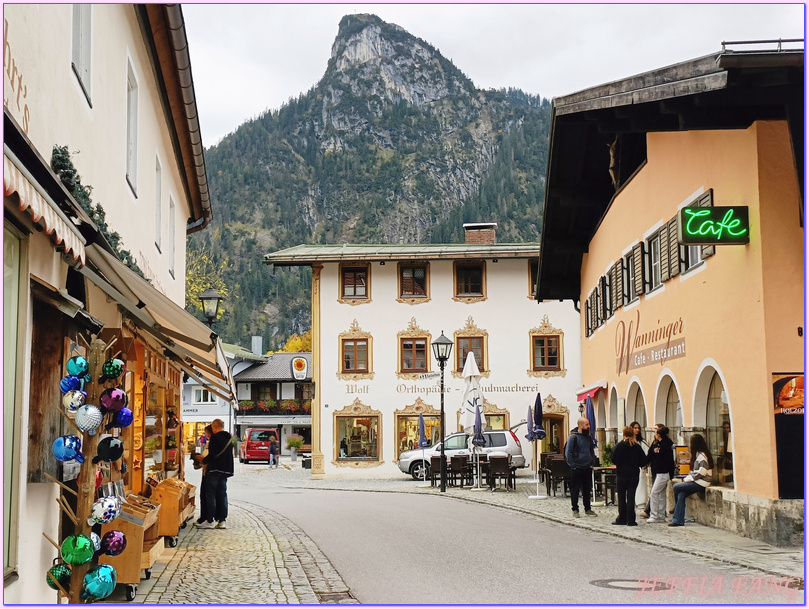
598, 140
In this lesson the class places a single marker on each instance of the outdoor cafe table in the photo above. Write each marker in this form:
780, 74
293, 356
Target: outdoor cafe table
606, 478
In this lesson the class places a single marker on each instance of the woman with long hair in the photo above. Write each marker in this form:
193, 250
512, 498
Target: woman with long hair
642, 494
698, 478
628, 458
661, 458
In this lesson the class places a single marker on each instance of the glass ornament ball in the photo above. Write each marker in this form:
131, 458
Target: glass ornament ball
60, 573
124, 417
112, 368
109, 449
78, 366
88, 418
113, 543
104, 510
113, 399
74, 399
96, 539
99, 582
67, 448
70, 383
77, 549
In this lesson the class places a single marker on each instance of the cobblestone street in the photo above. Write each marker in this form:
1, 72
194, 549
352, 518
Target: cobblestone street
263, 558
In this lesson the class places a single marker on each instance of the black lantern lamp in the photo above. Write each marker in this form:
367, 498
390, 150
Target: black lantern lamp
210, 304
442, 347
581, 409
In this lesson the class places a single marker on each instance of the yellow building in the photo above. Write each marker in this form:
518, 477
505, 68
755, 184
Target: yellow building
706, 338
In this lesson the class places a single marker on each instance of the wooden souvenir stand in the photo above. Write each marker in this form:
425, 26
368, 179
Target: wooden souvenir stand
138, 521
177, 499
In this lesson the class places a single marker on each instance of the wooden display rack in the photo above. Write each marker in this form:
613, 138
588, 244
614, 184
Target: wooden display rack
178, 501
139, 521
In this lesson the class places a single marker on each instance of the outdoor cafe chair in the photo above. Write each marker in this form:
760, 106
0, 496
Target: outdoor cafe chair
458, 469
499, 467
435, 469
559, 472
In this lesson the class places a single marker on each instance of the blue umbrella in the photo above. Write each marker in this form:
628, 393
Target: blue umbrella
423, 443
590, 414
538, 431
530, 436
478, 439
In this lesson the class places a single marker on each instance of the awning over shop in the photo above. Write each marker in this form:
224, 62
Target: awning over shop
273, 420
43, 210
187, 341
591, 391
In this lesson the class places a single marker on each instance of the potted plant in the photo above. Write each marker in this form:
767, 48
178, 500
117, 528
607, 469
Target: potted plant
606, 457
294, 442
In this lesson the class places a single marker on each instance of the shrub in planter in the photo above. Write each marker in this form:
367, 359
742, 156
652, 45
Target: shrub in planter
294, 441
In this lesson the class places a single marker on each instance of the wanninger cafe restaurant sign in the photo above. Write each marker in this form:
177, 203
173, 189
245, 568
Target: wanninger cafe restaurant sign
713, 226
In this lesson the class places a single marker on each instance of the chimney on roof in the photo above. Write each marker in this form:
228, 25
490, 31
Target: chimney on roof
481, 233
257, 345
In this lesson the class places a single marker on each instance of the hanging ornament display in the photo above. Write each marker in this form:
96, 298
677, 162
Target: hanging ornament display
99, 582
61, 574
96, 539
78, 366
109, 449
77, 549
113, 399
88, 418
67, 448
104, 510
113, 543
74, 399
70, 383
112, 369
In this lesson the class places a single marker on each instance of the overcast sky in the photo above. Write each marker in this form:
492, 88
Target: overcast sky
247, 58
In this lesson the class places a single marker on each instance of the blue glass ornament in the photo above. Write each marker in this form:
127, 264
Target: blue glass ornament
70, 383
67, 448
124, 417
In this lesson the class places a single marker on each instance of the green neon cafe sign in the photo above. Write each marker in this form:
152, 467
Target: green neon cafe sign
713, 226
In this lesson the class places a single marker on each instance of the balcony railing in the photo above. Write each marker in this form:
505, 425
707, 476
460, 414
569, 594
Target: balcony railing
271, 407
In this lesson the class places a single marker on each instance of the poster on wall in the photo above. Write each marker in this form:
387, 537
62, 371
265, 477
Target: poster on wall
788, 393
682, 460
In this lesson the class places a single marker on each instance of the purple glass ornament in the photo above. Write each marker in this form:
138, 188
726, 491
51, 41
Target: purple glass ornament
113, 543
113, 399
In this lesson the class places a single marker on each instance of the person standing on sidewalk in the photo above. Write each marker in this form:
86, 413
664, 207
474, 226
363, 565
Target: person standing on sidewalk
628, 457
273, 448
580, 456
662, 463
698, 478
220, 467
205, 520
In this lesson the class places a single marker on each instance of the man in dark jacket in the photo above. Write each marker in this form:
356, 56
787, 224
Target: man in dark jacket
220, 467
580, 456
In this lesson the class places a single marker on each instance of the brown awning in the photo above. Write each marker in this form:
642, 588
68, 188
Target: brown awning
61, 230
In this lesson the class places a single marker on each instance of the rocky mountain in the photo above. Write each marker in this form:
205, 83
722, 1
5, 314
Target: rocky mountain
393, 144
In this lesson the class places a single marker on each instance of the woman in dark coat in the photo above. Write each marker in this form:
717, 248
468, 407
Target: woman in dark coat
628, 457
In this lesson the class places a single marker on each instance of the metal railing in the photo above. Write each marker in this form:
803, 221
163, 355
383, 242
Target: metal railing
777, 41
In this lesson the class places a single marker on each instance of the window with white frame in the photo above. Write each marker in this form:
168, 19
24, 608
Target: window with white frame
203, 396
655, 279
158, 204
131, 129
172, 239
80, 55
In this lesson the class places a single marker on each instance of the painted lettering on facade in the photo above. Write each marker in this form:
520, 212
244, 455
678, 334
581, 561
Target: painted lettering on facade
636, 349
16, 90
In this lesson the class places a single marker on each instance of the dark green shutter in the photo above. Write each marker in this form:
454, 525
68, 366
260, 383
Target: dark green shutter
706, 200
674, 249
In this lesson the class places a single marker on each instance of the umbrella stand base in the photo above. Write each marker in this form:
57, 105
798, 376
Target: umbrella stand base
424, 486
597, 503
538, 497
478, 488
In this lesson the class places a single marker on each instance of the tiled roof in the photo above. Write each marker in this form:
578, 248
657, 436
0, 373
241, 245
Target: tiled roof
278, 367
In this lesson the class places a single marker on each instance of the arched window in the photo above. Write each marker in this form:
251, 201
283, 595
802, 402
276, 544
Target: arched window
717, 434
674, 414
640, 411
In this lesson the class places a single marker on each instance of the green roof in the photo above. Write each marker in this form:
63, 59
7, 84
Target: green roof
304, 255
243, 353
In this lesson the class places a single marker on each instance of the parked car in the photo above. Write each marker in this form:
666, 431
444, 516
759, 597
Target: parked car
255, 444
417, 462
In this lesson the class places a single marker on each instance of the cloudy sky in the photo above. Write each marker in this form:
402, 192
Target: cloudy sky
247, 58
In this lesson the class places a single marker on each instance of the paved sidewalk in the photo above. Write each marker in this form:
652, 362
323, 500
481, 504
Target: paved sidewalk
263, 558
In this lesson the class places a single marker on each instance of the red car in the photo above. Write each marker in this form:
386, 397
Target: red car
255, 444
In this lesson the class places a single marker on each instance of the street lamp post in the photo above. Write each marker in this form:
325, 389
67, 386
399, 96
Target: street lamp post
210, 299
442, 347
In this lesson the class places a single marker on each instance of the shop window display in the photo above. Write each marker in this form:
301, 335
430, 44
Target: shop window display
357, 437
407, 432
718, 434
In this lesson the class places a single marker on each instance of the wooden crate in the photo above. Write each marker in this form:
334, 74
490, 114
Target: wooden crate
139, 521
178, 501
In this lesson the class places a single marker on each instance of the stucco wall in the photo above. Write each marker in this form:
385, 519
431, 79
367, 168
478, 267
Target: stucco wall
727, 322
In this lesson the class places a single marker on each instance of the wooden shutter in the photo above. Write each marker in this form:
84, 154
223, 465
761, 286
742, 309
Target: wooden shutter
617, 284
706, 200
640, 269
664, 254
587, 326
674, 248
